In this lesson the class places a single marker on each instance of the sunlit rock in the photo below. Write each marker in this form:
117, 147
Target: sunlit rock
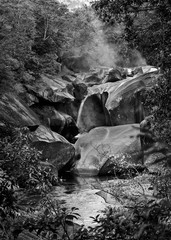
93, 149
14, 111
42, 133
119, 102
53, 88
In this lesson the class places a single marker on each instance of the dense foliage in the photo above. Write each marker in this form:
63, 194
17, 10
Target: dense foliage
35, 35
158, 102
146, 220
22, 164
146, 26
22, 174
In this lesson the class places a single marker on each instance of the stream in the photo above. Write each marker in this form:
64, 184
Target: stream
91, 194
82, 192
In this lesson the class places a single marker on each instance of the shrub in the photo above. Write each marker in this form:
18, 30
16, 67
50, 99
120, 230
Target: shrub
22, 163
158, 102
145, 220
20, 168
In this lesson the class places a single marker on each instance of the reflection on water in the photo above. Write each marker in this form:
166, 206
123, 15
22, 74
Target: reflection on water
81, 192
73, 182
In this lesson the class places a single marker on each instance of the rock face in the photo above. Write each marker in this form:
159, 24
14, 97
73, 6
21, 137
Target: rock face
55, 148
94, 149
51, 88
56, 100
57, 153
55, 107
42, 133
119, 102
14, 111
58, 121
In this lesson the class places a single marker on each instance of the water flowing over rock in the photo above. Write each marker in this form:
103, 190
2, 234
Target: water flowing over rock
57, 99
119, 102
93, 149
78, 100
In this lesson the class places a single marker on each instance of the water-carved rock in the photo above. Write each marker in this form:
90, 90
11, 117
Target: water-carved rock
42, 133
120, 101
93, 149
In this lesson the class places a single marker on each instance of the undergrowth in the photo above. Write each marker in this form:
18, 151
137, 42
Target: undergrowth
141, 218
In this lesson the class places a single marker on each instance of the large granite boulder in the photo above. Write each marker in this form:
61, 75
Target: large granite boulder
119, 101
95, 148
56, 153
56, 101
55, 149
42, 133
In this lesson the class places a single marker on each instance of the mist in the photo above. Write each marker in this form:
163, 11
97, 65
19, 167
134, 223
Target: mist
97, 47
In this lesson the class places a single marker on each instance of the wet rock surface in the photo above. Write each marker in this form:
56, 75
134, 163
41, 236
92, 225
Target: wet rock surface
103, 146
77, 100
119, 102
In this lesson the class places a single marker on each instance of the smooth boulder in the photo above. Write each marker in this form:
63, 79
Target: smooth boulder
56, 153
42, 133
55, 149
51, 88
120, 102
94, 149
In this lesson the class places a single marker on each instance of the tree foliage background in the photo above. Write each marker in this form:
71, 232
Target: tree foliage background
146, 29
35, 34
147, 26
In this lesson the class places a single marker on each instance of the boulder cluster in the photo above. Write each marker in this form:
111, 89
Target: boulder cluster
82, 117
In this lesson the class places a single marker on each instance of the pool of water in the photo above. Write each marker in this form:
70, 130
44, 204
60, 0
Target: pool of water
82, 192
